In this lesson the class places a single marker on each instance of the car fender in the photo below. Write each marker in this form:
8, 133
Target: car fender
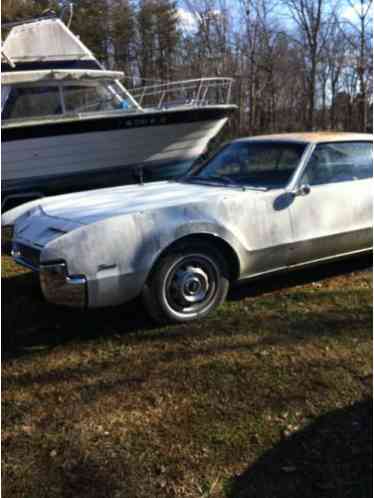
126, 247
10, 217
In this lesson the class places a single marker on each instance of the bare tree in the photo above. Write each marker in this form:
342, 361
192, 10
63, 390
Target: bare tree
314, 23
360, 38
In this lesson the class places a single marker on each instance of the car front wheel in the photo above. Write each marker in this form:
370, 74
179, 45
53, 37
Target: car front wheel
186, 284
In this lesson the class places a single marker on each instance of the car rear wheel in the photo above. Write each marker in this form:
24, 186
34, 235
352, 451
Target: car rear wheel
186, 284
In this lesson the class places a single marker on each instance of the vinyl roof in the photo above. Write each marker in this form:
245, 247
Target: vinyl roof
311, 137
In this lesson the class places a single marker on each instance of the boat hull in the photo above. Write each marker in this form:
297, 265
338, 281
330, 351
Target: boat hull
66, 156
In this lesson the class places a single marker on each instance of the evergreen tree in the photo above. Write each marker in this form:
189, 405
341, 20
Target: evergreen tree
157, 39
18, 10
91, 22
122, 34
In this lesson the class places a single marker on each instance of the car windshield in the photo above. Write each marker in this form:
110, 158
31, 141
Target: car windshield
259, 165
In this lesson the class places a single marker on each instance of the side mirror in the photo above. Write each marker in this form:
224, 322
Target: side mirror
302, 190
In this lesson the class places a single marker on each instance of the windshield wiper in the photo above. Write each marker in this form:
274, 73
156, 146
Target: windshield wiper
261, 189
225, 180
222, 179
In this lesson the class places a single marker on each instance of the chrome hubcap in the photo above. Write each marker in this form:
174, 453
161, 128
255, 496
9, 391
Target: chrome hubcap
191, 285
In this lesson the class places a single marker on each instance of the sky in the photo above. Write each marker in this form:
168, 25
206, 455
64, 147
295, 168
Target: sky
350, 13
188, 20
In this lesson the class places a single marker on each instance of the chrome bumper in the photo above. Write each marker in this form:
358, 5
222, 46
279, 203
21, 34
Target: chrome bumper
60, 288
57, 285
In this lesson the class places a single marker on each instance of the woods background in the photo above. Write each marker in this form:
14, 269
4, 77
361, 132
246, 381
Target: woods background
298, 64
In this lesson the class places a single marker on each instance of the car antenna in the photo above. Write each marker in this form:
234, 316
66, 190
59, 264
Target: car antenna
139, 173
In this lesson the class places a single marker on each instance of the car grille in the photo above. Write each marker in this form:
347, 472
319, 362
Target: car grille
27, 254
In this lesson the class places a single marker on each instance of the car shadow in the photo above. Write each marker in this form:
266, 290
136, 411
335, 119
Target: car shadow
30, 324
277, 282
332, 457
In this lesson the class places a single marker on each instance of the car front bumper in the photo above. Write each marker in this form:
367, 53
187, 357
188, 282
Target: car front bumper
61, 288
57, 285
107, 287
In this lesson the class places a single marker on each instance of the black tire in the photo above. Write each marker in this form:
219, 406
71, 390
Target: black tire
186, 284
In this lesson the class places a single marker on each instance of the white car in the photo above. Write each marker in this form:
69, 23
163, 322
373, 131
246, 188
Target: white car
259, 206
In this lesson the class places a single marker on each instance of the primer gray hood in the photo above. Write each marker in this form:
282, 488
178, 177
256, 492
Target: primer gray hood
92, 206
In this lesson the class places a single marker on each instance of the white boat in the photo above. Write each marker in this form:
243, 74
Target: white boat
68, 124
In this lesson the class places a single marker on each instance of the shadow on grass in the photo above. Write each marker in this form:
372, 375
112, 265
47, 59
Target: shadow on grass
331, 458
29, 323
78, 475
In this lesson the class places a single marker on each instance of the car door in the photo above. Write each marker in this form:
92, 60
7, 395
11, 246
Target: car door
333, 216
264, 216
268, 231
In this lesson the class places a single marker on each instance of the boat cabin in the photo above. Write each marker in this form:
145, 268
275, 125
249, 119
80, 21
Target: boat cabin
47, 72
29, 96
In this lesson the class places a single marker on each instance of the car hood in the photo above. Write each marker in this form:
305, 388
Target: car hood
91, 206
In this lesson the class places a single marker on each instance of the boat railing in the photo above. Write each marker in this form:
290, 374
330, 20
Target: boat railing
193, 93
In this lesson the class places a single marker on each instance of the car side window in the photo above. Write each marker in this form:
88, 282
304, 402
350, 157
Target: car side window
339, 162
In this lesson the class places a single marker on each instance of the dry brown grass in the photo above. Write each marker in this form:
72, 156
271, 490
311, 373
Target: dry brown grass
104, 404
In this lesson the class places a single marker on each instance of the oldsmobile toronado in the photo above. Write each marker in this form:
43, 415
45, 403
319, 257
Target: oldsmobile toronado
260, 205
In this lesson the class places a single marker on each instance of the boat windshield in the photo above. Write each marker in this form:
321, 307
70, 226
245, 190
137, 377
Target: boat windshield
84, 98
257, 165
25, 102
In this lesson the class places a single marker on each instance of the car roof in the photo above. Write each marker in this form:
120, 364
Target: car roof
310, 137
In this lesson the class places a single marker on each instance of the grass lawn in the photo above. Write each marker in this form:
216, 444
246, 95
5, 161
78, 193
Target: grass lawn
270, 397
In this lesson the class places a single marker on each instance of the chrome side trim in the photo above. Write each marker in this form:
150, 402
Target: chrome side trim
60, 288
300, 266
